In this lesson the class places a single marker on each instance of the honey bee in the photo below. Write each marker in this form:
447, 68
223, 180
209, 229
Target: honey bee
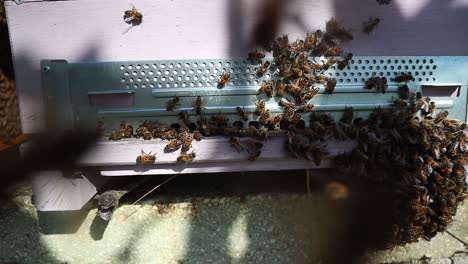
315, 153
404, 77
403, 92
182, 135
430, 109
370, 25
280, 89
126, 130
400, 103
170, 134
133, 16
275, 121
331, 83
332, 26
197, 135
254, 149
143, 132
294, 88
285, 103
146, 158
296, 118
333, 52
205, 129
236, 143
187, 143
322, 78
263, 69
329, 63
115, 135
296, 72
185, 117
383, 85
225, 77
267, 88
345, 61
285, 69
264, 117
310, 41
199, 104
289, 114
186, 157
173, 145
100, 127
242, 113
171, 104
260, 107
304, 108
255, 57
348, 115
440, 116
319, 50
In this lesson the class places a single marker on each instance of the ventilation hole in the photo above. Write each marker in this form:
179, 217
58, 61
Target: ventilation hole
219, 64
175, 72
410, 61
212, 77
191, 71
155, 79
187, 78
389, 61
203, 77
151, 72
143, 86
419, 79
251, 76
239, 70
423, 73
143, 73
135, 86
359, 61
388, 73
243, 63
171, 78
395, 61
200, 84
374, 74
352, 61
231, 83
227, 64
256, 82
130, 80
244, 76
363, 80
352, 74
178, 65
159, 72
231, 70
130, 66
127, 86
138, 66
183, 71
355, 68
424, 61
163, 79
417, 61
167, 72
248, 82
163, 66
236, 63
179, 78
340, 80
416, 73
374, 61
427, 79
207, 71
427, 67
184, 84
348, 80
155, 66
211, 64
395, 73
363, 67
192, 84
430, 73
151, 85
380, 73
366, 74
247, 70
239, 83
355, 80
199, 71
195, 78
377, 67
403, 61
413, 67
431, 61
384, 67
134, 73
359, 74
345, 74
122, 67
187, 65
176, 85
370, 67
147, 79
391, 79
126, 73
122, 80
433, 79
195, 64
208, 84
434, 67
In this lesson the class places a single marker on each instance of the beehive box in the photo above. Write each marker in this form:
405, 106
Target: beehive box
182, 46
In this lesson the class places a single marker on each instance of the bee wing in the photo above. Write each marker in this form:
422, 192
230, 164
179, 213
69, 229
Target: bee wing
129, 19
127, 30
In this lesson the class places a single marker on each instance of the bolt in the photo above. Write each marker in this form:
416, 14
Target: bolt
45, 69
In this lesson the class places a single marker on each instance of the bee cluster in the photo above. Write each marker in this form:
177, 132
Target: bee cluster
421, 156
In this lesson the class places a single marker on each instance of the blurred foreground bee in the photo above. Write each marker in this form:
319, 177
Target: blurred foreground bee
263, 69
187, 143
310, 41
267, 88
370, 25
440, 116
334, 28
133, 16
404, 77
199, 105
197, 135
171, 104
315, 153
225, 77
331, 83
333, 52
236, 143
173, 145
186, 157
254, 149
345, 61
185, 117
403, 92
242, 113
264, 117
146, 158
255, 57
205, 129
305, 108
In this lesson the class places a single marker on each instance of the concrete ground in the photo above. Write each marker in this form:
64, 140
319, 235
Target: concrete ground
268, 227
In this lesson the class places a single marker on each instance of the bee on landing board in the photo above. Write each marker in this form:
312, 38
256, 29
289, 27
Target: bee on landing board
370, 25
186, 157
242, 113
146, 158
173, 145
171, 104
132, 17
223, 79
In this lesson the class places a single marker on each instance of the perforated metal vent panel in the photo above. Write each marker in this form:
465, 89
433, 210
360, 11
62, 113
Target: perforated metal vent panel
81, 93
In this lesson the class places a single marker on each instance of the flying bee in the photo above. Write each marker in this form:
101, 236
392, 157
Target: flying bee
370, 25
280, 88
133, 16
186, 157
185, 117
173, 145
187, 143
236, 143
146, 158
331, 83
263, 69
345, 61
275, 121
310, 41
286, 103
171, 104
264, 117
440, 116
260, 107
304, 108
255, 57
267, 88
242, 113
199, 105
225, 77
197, 135
333, 52
403, 77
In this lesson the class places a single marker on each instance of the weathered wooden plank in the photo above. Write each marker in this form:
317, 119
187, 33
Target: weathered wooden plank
89, 30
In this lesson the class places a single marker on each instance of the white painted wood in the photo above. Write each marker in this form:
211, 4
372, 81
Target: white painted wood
91, 30
54, 192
